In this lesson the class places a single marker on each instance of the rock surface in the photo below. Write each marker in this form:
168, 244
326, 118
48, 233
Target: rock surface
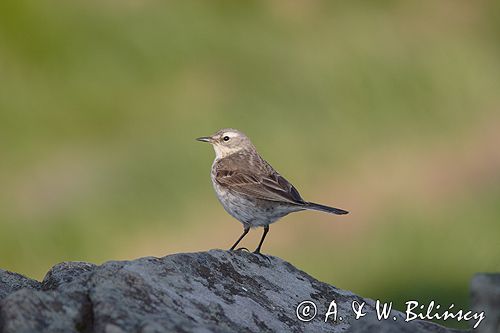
485, 290
215, 291
11, 282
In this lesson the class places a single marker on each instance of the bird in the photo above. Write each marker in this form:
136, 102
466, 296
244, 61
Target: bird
249, 188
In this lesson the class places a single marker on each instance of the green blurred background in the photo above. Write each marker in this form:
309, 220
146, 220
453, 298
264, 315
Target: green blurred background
388, 109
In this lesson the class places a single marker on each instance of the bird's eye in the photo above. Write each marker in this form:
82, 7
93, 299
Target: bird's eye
226, 138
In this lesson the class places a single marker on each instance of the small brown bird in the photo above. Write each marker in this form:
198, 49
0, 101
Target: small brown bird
249, 188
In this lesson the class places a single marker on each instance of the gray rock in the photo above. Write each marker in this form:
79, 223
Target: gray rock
215, 291
10, 282
485, 292
66, 272
36, 311
59, 304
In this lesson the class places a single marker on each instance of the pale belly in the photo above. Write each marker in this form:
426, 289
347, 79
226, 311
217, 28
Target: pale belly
252, 212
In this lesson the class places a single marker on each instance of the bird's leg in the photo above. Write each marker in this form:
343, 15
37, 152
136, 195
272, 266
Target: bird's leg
266, 230
245, 231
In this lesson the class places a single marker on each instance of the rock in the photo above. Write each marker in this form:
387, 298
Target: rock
485, 292
215, 291
37, 311
60, 305
10, 282
65, 273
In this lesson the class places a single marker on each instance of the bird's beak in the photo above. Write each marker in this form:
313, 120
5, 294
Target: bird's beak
204, 139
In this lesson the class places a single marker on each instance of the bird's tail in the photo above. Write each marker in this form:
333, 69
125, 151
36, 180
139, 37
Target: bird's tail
323, 208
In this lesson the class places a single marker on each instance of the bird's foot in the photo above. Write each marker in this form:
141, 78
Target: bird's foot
262, 255
240, 249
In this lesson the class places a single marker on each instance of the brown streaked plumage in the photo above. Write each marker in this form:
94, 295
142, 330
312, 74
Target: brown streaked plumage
249, 188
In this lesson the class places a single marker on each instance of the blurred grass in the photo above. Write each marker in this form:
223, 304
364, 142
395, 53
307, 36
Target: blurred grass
100, 102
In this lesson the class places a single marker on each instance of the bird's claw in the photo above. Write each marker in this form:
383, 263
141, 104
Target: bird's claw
262, 255
241, 249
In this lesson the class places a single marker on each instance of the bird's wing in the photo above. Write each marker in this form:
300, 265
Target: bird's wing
270, 186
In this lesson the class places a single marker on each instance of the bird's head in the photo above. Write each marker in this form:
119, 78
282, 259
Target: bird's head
227, 141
